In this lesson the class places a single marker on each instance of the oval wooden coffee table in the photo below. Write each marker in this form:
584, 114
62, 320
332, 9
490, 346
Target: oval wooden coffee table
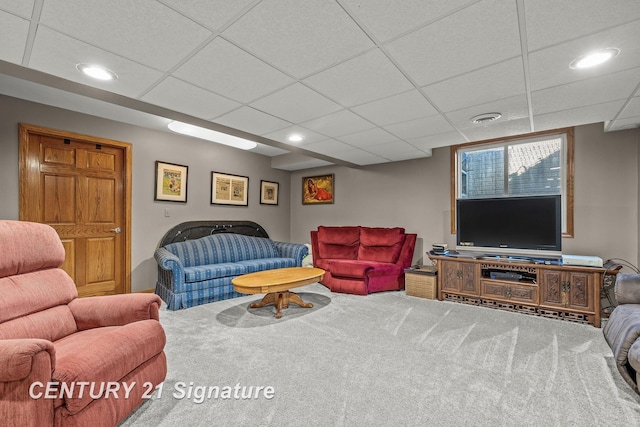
276, 284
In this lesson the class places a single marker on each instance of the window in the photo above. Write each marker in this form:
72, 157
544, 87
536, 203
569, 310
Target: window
535, 164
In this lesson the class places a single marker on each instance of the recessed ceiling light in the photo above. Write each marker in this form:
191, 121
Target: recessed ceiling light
97, 72
486, 117
212, 135
594, 58
295, 137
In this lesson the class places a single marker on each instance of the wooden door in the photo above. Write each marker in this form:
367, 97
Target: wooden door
80, 185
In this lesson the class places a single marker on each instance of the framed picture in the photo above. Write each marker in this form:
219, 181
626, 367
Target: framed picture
171, 182
318, 189
227, 189
268, 192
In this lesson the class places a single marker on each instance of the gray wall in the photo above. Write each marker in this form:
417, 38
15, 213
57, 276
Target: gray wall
416, 195
413, 194
148, 221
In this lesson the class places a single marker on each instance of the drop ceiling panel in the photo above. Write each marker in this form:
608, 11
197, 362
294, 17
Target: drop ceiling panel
550, 67
296, 103
632, 109
362, 79
309, 135
186, 98
385, 19
145, 31
592, 91
13, 33
213, 14
396, 108
362, 158
420, 127
57, 54
286, 34
328, 147
515, 107
21, 8
251, 120
229, 71
550, 22
498, 129
577, 116
498, 81
475, 37
620, 124
428, 142
395, 151
375, 136
340, 123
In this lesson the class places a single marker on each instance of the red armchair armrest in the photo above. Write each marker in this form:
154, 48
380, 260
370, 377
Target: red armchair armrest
114, 310
17, 357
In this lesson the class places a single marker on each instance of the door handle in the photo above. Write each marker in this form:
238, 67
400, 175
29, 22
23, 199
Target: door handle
116, 230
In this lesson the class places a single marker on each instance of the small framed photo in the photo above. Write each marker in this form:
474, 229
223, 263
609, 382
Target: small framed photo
318, 190
227, 189
171, 182
268, 192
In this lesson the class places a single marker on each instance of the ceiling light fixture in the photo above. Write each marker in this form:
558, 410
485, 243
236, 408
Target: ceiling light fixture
486, 117
97, 72
594, 58
212, 135
295, 138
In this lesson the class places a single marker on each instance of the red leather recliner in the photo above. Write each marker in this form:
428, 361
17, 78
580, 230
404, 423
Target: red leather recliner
361, 260
69, 361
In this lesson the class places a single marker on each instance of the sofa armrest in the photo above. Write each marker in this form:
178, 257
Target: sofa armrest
168, 261
26, 369
17, 357
627, 288
114, 310
406, 253
296, 251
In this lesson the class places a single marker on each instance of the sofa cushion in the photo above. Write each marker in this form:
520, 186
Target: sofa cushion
267, 264
380, 244
81, 357
350, 268
213, 271
338, 242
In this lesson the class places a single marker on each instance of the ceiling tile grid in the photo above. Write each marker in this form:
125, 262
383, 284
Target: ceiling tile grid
362, 82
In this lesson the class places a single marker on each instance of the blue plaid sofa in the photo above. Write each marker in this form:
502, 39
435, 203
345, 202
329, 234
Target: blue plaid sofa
199, 271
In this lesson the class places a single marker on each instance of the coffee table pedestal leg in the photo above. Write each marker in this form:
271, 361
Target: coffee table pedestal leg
281, 300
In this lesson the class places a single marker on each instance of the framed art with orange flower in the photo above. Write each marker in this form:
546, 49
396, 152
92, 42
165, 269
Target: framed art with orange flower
171, 182
317, 190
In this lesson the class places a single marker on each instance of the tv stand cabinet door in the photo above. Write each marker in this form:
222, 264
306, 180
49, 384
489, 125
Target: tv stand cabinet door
567, 289
459, 277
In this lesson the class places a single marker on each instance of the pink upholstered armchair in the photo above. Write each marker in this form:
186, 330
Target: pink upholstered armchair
66, 361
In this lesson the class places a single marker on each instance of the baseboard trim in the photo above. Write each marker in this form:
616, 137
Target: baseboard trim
146, 291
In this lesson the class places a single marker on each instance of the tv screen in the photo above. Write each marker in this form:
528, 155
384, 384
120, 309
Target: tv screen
511, 225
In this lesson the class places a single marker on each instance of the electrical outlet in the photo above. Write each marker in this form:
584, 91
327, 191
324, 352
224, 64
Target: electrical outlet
166, 213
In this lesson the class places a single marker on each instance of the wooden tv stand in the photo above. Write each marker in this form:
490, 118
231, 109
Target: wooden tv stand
569, 293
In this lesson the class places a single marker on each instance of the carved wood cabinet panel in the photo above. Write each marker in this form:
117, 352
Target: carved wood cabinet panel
510, 291
573, 290
459, 277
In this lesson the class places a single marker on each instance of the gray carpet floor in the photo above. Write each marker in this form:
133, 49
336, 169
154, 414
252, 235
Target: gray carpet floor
385, 359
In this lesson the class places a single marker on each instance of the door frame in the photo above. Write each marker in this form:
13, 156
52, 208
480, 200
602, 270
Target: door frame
126, 147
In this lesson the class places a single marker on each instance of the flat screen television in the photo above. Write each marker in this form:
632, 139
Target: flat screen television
529, 226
